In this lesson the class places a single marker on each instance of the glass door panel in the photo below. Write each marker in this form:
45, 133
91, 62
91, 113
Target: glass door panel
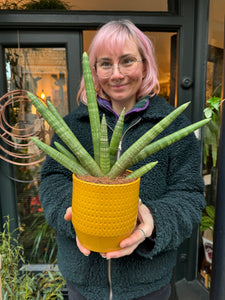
115, 5
42, 71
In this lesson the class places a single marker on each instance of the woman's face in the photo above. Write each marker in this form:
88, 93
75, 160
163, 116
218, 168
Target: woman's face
121, 88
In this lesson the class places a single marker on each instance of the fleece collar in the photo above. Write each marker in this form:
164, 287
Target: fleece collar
155, 107
141, 105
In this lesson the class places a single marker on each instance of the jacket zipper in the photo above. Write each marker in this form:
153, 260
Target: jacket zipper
110, 279
117, 157
121, 141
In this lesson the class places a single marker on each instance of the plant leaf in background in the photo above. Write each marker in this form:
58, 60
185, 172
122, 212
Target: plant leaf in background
208, 218
211, 130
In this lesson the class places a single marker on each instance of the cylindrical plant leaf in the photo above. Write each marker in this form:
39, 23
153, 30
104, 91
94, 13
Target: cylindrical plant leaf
92, 107
64, 151
141, 171
104, 148
57, 115
68, 163
116, 137
67, 137
167, 140
124, 161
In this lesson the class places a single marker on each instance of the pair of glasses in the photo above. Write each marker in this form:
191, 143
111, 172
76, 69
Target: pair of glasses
126, 65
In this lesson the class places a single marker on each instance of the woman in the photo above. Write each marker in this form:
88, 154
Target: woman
125, 75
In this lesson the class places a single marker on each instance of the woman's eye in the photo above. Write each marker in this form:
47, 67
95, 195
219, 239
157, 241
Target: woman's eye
105, 64
128, 61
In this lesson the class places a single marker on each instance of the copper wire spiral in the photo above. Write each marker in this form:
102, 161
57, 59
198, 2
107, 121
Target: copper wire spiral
15, 145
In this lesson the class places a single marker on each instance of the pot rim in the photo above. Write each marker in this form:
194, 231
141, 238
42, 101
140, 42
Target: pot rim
104, 184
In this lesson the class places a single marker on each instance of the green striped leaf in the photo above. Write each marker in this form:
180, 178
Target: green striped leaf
64, 151
116, 137
67, 137
104, 148
124, 161
68, 163
168, 140
55, 113
141, 171
92, 107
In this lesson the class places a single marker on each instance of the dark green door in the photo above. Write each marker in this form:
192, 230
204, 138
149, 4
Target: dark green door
180, 31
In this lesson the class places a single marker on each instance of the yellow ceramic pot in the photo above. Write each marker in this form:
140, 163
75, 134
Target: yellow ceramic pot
104, 214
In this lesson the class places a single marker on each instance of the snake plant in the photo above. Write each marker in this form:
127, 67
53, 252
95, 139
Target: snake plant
103, 163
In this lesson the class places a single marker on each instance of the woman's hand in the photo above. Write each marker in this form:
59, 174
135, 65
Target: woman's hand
68, 217
145, 223
144, 229
68, 214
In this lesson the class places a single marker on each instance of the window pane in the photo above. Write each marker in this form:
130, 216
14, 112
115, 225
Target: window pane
125, 5
43, 71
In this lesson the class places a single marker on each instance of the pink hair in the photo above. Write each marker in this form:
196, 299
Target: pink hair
113, 35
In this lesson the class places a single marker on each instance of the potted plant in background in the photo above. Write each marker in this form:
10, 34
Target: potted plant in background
211, 144
103, 167
211, 133
18, 283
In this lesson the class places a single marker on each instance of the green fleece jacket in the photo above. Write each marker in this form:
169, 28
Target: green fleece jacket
173, 191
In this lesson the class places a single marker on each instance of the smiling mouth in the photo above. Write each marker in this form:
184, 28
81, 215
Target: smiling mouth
119, 85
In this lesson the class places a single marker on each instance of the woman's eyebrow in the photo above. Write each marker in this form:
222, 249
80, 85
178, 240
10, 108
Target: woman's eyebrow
122, 56
104, 58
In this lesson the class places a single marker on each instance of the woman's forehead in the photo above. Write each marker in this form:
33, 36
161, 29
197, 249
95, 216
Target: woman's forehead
117, 48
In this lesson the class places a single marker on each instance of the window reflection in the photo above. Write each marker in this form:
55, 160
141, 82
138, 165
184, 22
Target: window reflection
42, 71
125, 5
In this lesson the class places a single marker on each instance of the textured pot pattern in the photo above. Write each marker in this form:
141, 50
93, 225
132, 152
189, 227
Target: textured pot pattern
104, 215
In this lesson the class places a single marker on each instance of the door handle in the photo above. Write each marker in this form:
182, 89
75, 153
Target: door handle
186, 82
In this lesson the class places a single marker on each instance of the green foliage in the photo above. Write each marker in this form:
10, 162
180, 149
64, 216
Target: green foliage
104, 148
103, 163
39, 241
92, 107
211, 130
208, 218
17, 283
116, 136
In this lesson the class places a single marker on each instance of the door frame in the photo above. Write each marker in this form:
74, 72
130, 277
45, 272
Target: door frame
71, 40
190, 20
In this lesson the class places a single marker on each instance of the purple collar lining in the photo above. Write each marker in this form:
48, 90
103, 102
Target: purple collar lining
106, 104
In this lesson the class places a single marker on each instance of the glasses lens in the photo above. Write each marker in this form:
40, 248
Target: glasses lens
128, 65
104, 68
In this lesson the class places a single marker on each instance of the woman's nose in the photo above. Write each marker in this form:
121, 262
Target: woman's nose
116, 72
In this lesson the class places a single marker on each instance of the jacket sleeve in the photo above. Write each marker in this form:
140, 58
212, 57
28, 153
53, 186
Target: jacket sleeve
178, 209
56, 194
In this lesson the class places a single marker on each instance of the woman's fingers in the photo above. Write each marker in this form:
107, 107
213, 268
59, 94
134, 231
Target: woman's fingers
144, 229
82, 249
68, 214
